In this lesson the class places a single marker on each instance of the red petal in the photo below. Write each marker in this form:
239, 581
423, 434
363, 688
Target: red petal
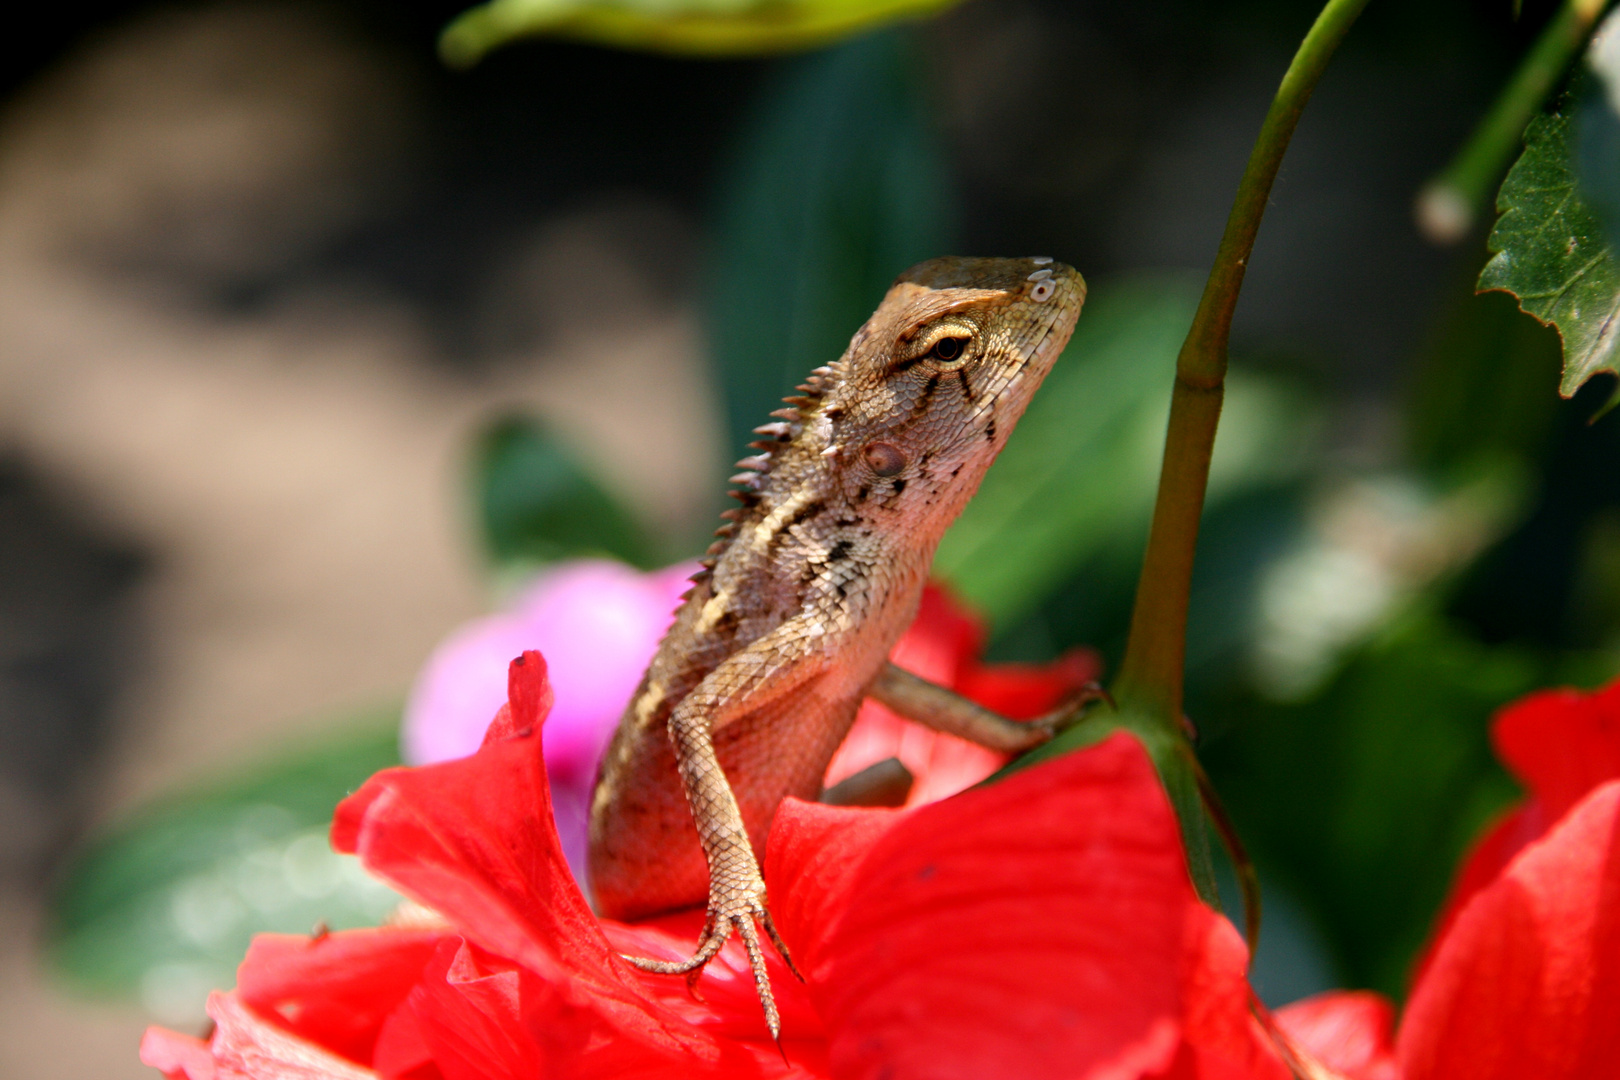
1527, 981
469, 1016
529, 699
1220, 1038
943, 637
725, 1002
943, 645
334, 991
1025, 691
474, 840
244, 1046
401, 1050
1561, 744
1349, 1032
941, 765
818, 853
501, 727
177, 1056
1490, 855
1045, 926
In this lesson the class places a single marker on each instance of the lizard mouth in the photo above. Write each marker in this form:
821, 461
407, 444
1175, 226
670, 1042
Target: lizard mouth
1039, 348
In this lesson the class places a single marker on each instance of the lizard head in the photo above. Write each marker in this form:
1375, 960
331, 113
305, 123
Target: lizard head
930, 388
905, 424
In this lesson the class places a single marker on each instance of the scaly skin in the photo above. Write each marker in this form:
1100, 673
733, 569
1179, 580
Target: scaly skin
819, 573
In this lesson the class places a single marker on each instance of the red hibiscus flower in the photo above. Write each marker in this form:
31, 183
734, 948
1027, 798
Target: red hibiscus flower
943, 645
1042, 926
1523, 976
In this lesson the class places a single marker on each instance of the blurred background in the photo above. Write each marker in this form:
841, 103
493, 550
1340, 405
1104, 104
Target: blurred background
310, 347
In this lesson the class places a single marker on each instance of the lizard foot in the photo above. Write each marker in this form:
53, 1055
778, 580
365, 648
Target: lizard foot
737, 914
1072, 709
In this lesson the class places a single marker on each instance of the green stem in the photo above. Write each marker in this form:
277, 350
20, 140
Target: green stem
1242, 866
1448, 204
1150, 677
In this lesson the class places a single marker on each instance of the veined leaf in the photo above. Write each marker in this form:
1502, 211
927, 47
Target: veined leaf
1553, 253
687, 27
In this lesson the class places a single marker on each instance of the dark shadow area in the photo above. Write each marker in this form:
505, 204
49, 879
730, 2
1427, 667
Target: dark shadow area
69, 642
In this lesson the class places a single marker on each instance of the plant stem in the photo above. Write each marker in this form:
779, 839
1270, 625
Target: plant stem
1447, 205
1150, 677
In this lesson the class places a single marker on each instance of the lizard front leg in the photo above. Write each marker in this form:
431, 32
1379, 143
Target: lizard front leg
944, 710
768, 670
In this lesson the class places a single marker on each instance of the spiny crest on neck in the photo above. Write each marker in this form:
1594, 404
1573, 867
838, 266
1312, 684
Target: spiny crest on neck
787, 425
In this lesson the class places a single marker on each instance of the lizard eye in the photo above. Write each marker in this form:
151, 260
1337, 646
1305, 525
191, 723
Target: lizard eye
948, 350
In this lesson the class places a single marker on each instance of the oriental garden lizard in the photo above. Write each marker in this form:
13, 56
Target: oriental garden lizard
814, 577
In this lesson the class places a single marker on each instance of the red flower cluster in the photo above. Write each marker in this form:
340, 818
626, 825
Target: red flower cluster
1522, 978
1043, 926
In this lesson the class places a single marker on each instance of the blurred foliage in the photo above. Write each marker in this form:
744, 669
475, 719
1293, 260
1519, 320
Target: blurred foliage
684, 27
1360, 795
1484, 385
839, 186
1553, 253
1075, 482
164, 905
1080, 467
1596, 149
1360, 776
1363, 798
1541, 585
1418, 595
537, 503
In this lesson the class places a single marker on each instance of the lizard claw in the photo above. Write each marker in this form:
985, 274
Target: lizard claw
739, 916
1073, 708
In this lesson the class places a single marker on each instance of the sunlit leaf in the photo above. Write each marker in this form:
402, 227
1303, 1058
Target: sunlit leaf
537, 503
838, 187
1553, 253
163, 905
688, 27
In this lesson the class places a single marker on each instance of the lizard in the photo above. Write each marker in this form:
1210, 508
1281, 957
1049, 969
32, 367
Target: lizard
812, 579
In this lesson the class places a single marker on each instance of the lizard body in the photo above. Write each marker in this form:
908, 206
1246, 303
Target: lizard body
818, 573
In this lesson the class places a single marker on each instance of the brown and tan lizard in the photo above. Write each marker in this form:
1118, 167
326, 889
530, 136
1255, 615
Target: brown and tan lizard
816, 575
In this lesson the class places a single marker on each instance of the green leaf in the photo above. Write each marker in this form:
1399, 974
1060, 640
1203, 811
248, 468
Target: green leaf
683, 27
537, 503
163, 905
1552, 252
839, 185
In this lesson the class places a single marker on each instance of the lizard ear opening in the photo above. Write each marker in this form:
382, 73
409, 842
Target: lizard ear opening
885, 459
